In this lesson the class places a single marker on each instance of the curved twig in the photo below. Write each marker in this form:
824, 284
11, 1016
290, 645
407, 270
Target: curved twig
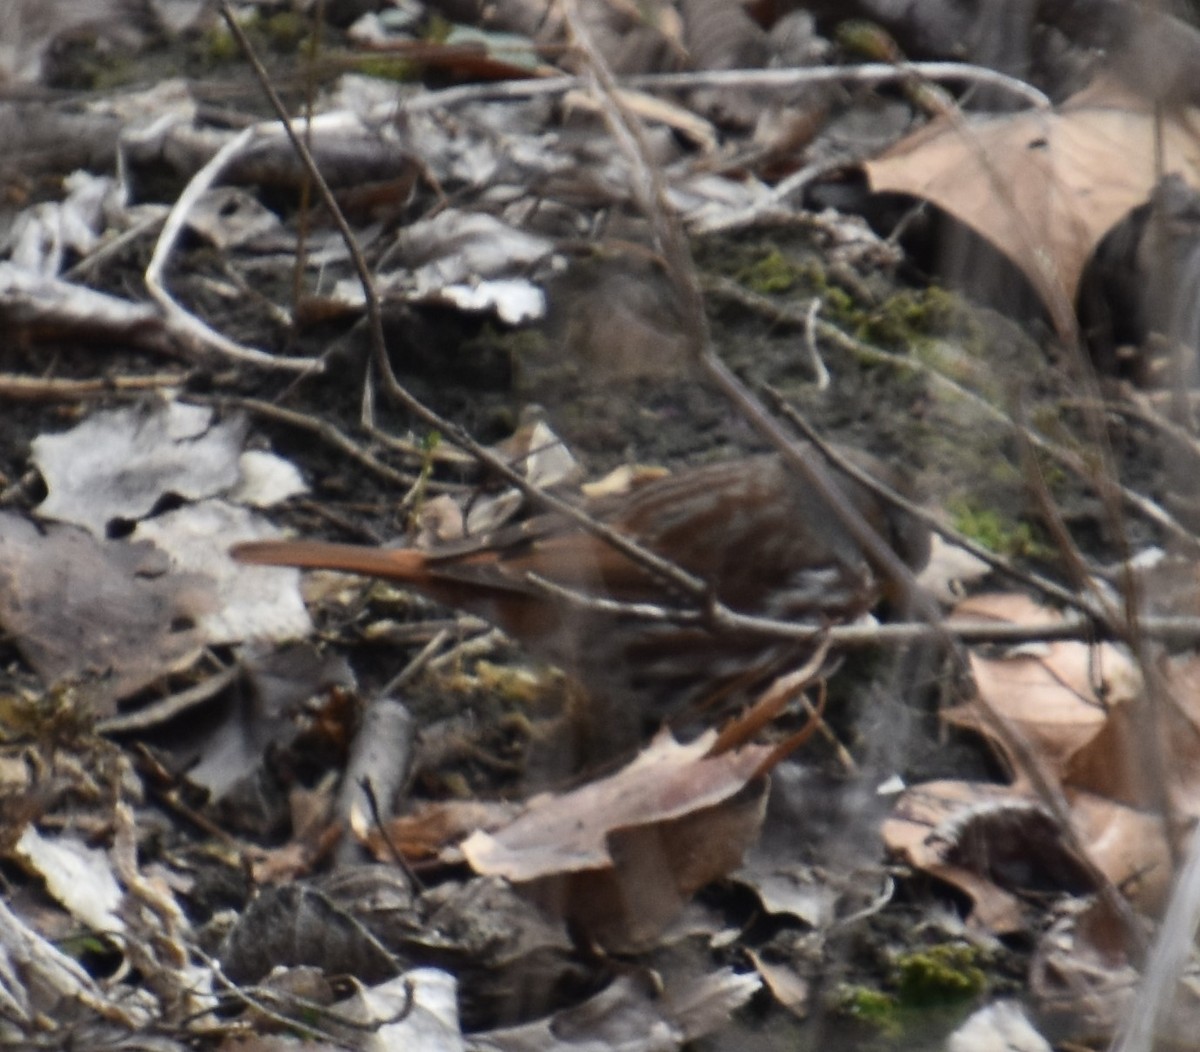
782, 79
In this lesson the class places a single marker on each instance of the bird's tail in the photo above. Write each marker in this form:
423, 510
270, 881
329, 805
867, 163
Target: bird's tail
395, 564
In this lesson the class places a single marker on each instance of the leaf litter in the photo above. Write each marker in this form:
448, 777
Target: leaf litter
163, 488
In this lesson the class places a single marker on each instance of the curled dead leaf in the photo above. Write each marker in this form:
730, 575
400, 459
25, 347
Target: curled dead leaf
621, 855
1044, 187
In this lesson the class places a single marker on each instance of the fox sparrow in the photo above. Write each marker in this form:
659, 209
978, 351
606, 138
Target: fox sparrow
755, 532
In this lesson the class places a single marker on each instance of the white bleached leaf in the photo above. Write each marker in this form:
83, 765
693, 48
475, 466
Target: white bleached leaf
514, 300
266, 480
77, 876
119, 464
253, 602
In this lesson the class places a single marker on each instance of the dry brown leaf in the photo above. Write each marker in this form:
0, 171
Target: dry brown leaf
1148, 748
1183, 732
106, 616
436, 828
923, 830
1041, 698
791, 990
1082, 714
1044, 187
620, 856
1059, 697
1006, 606
568, 833
1128, 846
1084, 976
987, 839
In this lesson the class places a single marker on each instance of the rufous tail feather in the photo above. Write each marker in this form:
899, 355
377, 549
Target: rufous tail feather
395, 564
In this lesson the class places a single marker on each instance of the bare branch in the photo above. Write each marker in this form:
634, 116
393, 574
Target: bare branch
783, 79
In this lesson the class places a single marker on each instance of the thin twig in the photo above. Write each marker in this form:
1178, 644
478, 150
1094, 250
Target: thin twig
810, 342
260, 999
681, 271
655, 564
361, 269
1139, 405
48, 389
783, 79
770, 703
998, 563
1175, 631
816, 712
415, 450
323, 429
417, 665
159, 712
1143, 505
649, 193
89, 263
482, 643
381, 827
178, 321
775, 203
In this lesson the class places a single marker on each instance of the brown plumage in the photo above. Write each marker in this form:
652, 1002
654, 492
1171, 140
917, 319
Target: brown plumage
756, 533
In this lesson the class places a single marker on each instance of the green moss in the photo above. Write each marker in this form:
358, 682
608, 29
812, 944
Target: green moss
429, 446
913, 315
114, 72
388, 67
1055, 423
771, 273
519, 686
868, 40
908, 320
948, 358
217, 46
926, 993
1003, 472
836, 302
939, 975
285, 31
59, 714
79, 947
1053, 473
878, 1010
438, 29
1002, 535
980, 524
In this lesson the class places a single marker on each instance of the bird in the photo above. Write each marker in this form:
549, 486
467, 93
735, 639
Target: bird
760, 537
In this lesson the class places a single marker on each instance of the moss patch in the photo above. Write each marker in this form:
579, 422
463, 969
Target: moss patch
912, 316
927, 993
1000, 534
875, 1009
772, 273
940, 975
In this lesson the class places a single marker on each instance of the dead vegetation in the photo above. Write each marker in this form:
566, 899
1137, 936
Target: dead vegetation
246, 807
